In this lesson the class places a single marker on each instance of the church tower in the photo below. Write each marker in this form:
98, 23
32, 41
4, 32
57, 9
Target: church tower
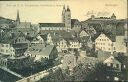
18, 18
63, 14
66, 17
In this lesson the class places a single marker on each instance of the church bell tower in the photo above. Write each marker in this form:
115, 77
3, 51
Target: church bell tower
66, 17
18, 18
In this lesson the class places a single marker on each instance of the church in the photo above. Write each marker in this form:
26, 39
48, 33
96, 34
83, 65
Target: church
66, 24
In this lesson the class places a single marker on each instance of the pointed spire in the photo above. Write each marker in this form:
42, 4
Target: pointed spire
64, 10
18, 18
68, 8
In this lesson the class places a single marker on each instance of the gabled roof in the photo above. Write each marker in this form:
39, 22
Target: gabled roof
24, 25
110, 36
74, 21
44, 37
45, 51
55, 37
84, 32
111, 59
10, 37
52, 24
32, 32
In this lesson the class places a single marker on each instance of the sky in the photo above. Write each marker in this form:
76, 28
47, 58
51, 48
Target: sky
51, 11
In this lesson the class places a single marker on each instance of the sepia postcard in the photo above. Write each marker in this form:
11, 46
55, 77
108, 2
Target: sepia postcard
63, 40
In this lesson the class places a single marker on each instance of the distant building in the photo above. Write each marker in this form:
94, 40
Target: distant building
103, 42
62, 45
67, 23
52, 26
84, 33
13, 44
37, 40
110, 43
86, 41
39, 52
113, 63
20, 24
75, 25
74, 44
113, 17
63, 41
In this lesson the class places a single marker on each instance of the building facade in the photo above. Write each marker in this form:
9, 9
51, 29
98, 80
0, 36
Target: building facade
110, 44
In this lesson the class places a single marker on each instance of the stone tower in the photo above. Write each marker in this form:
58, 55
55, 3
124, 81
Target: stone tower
18, 18
66, 17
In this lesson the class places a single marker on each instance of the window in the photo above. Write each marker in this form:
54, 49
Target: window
117, 65
111, 64
2, 50
109, 44
7, 45
19, 39
104, 48
2, 45
114, 48
6, 51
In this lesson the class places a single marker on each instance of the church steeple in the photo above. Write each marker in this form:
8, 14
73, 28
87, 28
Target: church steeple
18, 18
66, 17
63, 14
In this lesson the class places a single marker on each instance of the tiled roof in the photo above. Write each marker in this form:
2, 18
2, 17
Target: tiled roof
9, 37
20, 45
24, 25
45, 51
111, 59
110, 36
52, 24
74, 21
118, 24
31, 31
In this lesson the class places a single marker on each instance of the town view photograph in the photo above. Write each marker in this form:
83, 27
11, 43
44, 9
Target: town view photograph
63, 41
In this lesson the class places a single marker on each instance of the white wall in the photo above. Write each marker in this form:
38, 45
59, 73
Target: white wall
103, 43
